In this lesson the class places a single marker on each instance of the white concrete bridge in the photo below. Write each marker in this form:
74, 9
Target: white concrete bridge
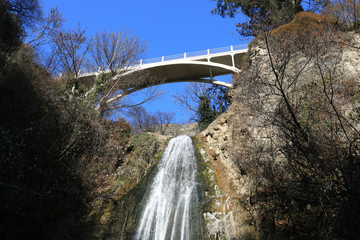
200, 66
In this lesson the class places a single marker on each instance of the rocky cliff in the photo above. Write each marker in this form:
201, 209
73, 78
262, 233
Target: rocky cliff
297, 82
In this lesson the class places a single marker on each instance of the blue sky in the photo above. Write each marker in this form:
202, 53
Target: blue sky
169, 27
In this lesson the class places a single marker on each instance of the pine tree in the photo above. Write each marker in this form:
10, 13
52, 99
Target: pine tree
205, 113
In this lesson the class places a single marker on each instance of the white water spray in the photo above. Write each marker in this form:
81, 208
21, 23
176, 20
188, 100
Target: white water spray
170, 208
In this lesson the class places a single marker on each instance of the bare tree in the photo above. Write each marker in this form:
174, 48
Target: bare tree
190, 97
140, 119
27, 11
346, 12
112, 93
41, 37
116, 51
143, 121
163, 120
205, 101
42, 33
71, 47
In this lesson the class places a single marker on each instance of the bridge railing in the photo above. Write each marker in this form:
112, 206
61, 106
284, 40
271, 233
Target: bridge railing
221, 50
197, 53
206, 52
194, 54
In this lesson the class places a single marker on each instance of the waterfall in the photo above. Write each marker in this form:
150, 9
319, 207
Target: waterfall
170, 206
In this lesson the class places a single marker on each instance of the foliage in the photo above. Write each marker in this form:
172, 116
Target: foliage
98, 88
220, 99
205, 114
55, 154
211, 104
10, 30
204, 101
262, 14
266, 15
144, 147
15, 16
305, 23
28, 12
33, 173
189, 99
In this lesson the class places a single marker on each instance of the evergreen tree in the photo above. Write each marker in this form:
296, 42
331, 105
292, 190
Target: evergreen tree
262, 14
212, 103
205, 113
219, 98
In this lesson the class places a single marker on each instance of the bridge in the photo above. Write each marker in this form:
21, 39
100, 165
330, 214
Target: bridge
200, 66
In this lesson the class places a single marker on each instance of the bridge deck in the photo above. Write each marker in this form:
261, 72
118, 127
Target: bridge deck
200, 66
191, 66
197, 55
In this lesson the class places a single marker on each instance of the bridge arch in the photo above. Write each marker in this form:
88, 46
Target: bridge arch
200, 66
186, 71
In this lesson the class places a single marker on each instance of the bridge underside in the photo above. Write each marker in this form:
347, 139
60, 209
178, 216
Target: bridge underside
201, 69
198, 70
186, 73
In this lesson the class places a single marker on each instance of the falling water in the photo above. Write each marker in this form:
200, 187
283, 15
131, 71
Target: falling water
170, 208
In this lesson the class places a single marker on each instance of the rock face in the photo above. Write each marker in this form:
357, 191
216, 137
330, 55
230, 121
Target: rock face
218, 137
189, 129
225, 218
227, 141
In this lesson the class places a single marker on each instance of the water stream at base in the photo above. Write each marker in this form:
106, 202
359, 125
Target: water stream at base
171, 203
